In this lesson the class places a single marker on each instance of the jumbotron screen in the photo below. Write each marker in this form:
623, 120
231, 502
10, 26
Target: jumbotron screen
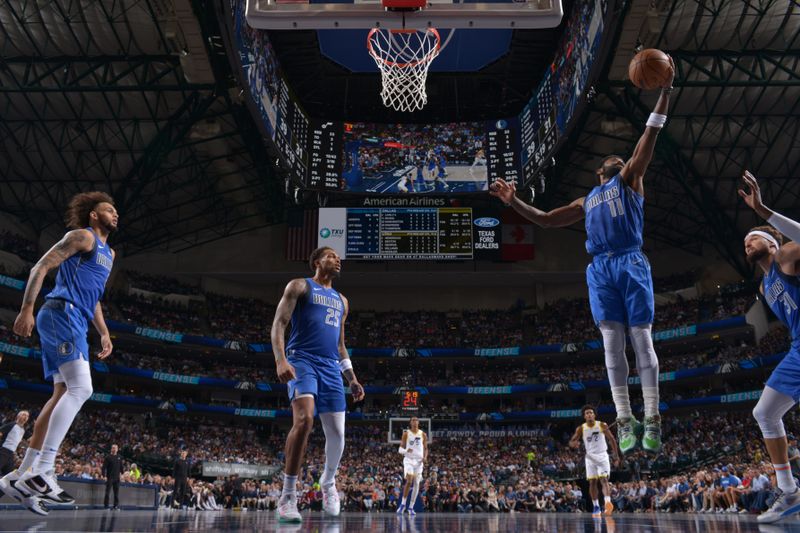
412, 158
413, 233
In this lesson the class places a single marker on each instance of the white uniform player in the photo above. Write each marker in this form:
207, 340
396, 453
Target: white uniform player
414, 448
596, 438
598, 464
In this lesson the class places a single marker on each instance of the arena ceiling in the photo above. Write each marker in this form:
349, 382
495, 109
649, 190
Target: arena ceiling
136, 97
133, 97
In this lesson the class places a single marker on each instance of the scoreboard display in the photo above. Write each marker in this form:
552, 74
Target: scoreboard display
412, 233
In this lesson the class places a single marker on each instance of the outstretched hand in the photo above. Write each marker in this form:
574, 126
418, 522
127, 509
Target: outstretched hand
753, 197
503, 190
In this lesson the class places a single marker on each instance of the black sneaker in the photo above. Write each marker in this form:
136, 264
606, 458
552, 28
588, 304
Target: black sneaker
45, 486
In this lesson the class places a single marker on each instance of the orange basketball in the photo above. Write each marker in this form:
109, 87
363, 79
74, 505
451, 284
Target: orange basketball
649, 69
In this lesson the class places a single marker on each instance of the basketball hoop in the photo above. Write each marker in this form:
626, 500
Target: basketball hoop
404, 56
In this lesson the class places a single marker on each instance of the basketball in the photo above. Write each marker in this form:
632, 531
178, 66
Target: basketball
649, 69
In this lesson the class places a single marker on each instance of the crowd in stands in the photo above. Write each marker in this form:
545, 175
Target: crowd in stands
468, 474
17, 244
247, 319
157, 313
160, 284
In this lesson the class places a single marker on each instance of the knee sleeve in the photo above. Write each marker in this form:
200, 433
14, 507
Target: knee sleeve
769, 412
614, 346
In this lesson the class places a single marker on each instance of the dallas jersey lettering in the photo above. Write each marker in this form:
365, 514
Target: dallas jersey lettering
62, 322
316, 323
619, 278
313, 348
81, 279
597, 462
614, 217
782, 293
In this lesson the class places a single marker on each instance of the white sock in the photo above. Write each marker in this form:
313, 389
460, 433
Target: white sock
31, 456
622, 401
333, 427
783, 473
596, 503
78, 379
608, 499
650, 396
289, 487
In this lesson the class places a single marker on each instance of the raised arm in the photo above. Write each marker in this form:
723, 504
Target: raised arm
636, 166
344, 359
785, 225
73, 242
283, 314
557, 218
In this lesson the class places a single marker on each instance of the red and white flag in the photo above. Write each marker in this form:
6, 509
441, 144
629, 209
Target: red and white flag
517, 243
301, 238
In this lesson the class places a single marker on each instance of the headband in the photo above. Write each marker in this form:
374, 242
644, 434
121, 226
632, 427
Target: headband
763, 234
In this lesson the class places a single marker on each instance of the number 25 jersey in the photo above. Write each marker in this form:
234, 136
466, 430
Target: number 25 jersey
316, 323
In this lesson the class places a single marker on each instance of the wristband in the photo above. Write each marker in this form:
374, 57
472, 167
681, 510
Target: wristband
401, 450
667, 90
656, 120
345, 365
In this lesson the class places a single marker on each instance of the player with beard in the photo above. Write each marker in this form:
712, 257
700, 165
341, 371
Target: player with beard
84, 261
619, 278
312, 363
780, 286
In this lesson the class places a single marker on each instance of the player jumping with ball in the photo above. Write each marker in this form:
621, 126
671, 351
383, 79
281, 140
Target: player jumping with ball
619, 278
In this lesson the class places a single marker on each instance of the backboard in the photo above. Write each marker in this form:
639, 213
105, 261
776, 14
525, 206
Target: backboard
366, 14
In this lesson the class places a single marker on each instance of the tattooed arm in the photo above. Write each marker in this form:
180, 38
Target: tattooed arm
349, 374
283, 314
74, 242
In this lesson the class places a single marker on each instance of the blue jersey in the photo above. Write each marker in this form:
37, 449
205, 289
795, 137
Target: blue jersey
81, 279
316, 323
614, 217
782, 293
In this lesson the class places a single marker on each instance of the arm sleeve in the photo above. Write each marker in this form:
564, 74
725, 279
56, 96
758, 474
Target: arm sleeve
785, 225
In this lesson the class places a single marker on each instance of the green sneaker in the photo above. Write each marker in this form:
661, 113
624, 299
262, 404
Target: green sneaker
628, 432
651, 439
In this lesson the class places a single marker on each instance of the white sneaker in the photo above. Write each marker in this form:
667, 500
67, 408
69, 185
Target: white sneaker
330, 501
786, 504
287, 511
45, 486
10, 484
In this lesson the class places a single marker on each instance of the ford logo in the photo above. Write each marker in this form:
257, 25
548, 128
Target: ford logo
486, 222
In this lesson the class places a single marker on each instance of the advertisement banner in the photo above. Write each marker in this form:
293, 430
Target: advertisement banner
333, 229
215, 469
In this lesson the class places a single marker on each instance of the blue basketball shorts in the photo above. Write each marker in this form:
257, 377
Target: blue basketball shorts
621, 288
320, 377
62, 332
786, 376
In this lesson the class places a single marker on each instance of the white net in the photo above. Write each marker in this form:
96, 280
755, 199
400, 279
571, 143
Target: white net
404, 56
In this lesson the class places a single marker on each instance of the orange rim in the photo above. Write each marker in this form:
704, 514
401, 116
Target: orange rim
428, 57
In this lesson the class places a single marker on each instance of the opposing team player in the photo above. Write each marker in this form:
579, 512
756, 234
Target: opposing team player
11, 435
406, 183
84, 260
619, 277
780, 264
596, 437
312, 364
480, 161
414, 449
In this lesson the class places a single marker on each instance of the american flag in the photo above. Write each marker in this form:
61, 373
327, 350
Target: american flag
301, 238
